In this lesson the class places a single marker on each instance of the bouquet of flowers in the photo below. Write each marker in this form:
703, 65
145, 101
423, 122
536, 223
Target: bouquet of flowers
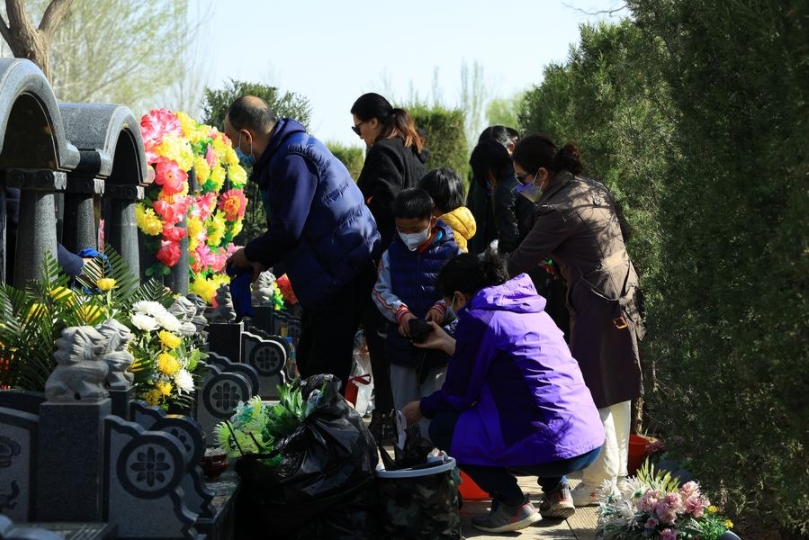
197, 176
654, 506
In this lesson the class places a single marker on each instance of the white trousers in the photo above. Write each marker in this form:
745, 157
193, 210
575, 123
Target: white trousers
406, 388
611, 462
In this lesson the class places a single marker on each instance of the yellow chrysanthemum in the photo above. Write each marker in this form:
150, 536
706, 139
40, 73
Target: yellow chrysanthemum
237, 227
167, 364
105, 284
176, 149
231, 158
164, 387
188, 124
218, 178
728, 524
202, 169
237, 175
221, 149
194, 226
154, 397
220, 279
204, 289
147, 220
216, 229
63, 294
170, 340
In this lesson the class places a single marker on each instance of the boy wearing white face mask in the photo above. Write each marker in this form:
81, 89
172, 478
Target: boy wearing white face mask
405, 292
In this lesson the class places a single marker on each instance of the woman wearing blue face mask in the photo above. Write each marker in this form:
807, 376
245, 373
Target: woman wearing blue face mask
577, 225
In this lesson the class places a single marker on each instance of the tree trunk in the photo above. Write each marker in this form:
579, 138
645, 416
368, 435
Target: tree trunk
26, 40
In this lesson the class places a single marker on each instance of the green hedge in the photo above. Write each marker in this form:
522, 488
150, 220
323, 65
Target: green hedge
444, 134
352, 157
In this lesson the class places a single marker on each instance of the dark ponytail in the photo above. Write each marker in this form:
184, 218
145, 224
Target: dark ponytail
470, 273
538, 151
396, 123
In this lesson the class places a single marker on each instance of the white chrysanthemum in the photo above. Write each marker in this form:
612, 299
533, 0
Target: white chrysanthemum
144, 322
145, 307
183, 381
168, 321
188, 329
632, 488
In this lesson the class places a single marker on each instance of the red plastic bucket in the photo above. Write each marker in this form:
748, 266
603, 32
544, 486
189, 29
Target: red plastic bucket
638, 450
470, 491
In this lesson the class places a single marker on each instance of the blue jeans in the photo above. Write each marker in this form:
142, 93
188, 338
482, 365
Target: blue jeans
501, 482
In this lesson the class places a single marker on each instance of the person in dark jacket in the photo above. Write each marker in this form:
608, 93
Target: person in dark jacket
405, 292
577, 224
395, 161
319, 229
514, 399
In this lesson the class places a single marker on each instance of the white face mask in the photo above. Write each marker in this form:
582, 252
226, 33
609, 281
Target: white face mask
413, 241
531, 191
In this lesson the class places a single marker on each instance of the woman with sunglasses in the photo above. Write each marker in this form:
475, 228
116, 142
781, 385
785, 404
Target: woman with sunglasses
395, 160
577, 224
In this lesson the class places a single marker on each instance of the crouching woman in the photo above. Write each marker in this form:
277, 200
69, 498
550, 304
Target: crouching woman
514, 400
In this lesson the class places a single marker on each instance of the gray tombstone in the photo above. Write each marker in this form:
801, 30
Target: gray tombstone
218, 397
268, 356
8, 531
143, 482
225, 338
189, 432
70, 429
33, 143
249, 372
19, 438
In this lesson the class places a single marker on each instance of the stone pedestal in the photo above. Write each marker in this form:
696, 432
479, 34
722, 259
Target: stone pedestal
226, 339
177, 280
80, 230
120, 400
120, 227
70, 471
263, 319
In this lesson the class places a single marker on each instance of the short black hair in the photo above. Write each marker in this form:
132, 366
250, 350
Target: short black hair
489, 155
413, 203
446, 188
500, 134
470, 273
251, 112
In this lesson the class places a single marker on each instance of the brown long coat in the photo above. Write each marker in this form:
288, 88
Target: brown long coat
576, 225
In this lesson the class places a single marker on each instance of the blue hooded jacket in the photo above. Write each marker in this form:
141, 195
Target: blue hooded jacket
319, 227
521, 395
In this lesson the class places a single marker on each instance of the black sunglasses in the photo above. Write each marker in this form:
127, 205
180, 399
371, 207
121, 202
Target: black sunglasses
521, 177
356, 128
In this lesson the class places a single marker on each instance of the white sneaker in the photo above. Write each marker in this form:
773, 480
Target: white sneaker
584, 495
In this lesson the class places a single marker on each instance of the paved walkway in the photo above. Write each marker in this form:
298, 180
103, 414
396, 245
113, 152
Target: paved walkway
580, 526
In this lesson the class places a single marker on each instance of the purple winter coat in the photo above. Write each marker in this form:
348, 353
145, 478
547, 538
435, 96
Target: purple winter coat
521, 394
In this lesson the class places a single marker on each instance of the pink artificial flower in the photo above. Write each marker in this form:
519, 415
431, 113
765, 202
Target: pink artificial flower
169, 175
205, 256
169, 253
196, 265
233, 203
668, 507
689, 489
207, 204
219, 261
696, 505
170, 213
210, 157
648, 501
651, 523
668, 534
154, 125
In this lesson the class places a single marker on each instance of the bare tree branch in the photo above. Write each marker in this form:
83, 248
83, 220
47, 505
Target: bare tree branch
55, 12
4, 30
609, 12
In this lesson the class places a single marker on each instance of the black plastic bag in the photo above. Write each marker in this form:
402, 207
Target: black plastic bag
325, 474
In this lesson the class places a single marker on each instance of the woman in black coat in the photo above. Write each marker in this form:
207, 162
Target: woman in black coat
395, 160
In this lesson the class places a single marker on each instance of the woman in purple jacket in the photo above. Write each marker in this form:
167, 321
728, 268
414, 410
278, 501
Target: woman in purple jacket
514, 400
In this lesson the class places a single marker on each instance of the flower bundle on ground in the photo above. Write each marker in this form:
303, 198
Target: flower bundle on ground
197, 176
654, 506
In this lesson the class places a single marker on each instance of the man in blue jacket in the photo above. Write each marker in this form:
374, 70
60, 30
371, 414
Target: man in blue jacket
319, 230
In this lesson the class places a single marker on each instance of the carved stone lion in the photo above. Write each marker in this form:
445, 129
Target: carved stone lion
262, 289
80, 373
224, 311
116, 356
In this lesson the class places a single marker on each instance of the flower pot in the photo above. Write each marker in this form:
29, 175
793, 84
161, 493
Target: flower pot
638, 450
214, 464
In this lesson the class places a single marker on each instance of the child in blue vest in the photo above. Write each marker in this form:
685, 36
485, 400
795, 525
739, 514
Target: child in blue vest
405, 293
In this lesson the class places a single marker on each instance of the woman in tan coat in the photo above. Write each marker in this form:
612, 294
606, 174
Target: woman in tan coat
577, 226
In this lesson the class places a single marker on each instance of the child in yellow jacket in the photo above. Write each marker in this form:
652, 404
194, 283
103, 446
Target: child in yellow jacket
447, 191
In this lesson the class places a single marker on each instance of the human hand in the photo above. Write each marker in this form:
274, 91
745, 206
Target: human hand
412, 412
436, 314
238, 260
437, 339
258, 268
404, 324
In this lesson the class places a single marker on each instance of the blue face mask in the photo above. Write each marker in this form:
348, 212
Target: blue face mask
247, 160
531, 191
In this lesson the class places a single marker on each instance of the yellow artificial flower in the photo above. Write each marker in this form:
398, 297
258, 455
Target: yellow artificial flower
63, 293
220, 279
167, 364
237, 227
194, 226
221, 147
147, 220
728, 524
172, 341
202, 169
164, 387
713, 509
105, 284
216, 230
176, 149
238, 176
218, 178
154, 397
204, 289
187, 123
231, 158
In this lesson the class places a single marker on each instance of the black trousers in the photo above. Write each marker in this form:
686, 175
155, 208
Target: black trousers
374, 327
326, 344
